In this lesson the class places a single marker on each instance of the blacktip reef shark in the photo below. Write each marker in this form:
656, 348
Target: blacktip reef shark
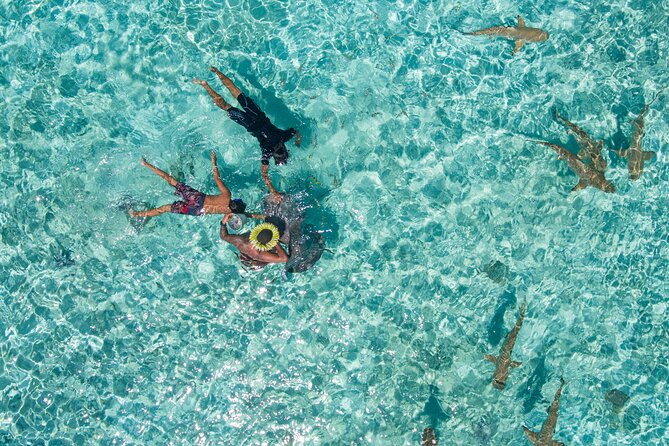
588, 175
635, 154
503, 362
429, 438
545, 436
589, 147
520, 34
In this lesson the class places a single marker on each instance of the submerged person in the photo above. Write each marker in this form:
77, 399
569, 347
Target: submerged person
304, 244
194, 202
272, 139
257, 248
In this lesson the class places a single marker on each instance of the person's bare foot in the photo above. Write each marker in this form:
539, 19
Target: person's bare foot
144, 163
298, 138
213, 69
199, 82
131, 213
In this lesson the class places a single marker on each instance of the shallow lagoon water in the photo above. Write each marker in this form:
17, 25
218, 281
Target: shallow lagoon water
419, 177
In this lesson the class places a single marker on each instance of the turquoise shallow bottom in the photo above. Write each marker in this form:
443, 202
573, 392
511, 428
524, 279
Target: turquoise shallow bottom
440, 217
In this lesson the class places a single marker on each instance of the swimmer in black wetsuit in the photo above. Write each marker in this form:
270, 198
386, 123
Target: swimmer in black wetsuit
272, 140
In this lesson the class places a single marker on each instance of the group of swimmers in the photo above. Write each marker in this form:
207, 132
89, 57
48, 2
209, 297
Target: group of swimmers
258, 247
262, 246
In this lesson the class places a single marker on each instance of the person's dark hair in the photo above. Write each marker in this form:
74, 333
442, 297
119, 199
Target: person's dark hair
237, 206
280, 154
265, 236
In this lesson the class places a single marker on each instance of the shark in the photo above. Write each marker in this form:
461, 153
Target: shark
635, 154
503, 362
520, 34
545, 436
429, 437
588, 175
589, 147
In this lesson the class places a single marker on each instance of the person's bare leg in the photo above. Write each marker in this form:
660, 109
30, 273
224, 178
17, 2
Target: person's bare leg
232, 88
151, 212
164, 175
218, 99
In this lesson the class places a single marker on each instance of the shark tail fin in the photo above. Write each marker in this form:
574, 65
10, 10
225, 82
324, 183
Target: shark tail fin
536, 141
657, 95
491, 358
621, 153
558, 116
558, 393
521, 313
533, 436
515, 364
521, 22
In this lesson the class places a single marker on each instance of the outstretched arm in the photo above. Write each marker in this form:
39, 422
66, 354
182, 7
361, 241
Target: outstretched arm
279, 256
223, 232
217, 177
268, 182
281, 253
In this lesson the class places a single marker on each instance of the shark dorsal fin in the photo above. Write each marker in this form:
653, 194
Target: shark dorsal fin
521, 22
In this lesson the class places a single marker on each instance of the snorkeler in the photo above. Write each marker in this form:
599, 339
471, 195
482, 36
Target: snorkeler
194, 202
257, 248
272, 140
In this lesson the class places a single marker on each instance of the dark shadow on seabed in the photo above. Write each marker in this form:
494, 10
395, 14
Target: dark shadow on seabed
309, 224
619, 140
496, 325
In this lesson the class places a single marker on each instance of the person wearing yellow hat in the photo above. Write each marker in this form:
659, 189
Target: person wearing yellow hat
258, 247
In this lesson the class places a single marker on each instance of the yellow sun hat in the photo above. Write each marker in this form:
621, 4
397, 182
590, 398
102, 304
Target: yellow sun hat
267, 230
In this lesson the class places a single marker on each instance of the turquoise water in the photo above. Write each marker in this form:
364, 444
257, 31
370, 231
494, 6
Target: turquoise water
417, 172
